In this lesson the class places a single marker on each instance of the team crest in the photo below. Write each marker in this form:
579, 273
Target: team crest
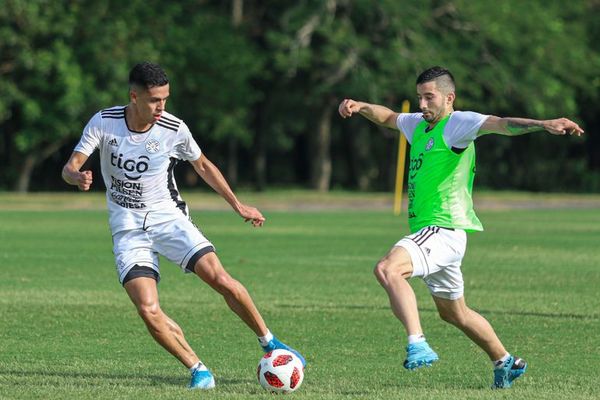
429, 144
152, 146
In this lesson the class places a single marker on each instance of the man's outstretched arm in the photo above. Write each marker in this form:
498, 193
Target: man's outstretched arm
211, 175
518, 126
381, 115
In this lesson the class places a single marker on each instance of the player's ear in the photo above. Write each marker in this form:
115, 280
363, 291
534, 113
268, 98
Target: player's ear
450, 97
132, 95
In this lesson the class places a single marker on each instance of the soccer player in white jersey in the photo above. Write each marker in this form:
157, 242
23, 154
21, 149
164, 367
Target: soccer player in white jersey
440, 211
139, 145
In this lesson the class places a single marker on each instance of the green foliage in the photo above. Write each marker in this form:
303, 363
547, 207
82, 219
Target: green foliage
39, 60
211, 65
271, 80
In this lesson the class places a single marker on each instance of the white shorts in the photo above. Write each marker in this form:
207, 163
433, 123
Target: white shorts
436, 254
179, 241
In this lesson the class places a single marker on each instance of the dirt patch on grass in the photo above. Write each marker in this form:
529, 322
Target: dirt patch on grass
299, 200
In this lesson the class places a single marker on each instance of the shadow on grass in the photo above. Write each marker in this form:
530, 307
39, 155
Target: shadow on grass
85, 379
132, 380
592, 317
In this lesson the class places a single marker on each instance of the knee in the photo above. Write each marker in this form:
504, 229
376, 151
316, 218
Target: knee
457, 319
227, 286
380, 271
385, 272
150, 312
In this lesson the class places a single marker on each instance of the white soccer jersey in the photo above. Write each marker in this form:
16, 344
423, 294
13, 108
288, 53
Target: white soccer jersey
137, 168
460, 131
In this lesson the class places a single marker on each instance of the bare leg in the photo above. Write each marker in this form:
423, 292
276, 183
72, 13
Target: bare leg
475, 326
392, 272
143, 293
210, 270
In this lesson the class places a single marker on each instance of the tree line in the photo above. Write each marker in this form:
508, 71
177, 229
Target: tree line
258, 83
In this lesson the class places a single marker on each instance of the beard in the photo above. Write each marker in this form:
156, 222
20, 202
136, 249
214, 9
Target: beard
428, 116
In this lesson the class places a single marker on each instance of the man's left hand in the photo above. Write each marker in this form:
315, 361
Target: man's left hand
562, 126
251, 214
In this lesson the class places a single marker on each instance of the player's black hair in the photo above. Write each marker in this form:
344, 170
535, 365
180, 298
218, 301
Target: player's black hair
147, 75
442, 77
433, 73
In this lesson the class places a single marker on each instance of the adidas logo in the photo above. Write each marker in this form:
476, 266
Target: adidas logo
113, 142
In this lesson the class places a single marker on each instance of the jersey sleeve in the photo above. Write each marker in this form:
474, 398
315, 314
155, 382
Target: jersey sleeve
407, 122
91, 136
462, 128
187, 149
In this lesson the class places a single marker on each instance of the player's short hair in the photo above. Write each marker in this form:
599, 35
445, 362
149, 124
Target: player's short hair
442, 77
147, 75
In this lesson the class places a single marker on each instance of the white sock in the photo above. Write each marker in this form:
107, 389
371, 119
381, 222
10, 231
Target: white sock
264, 340
499, 363
418, 338
199, 366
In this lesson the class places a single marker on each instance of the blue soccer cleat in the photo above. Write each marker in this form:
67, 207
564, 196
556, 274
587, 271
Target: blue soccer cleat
419, 355
504, 376
275, 344
202, 379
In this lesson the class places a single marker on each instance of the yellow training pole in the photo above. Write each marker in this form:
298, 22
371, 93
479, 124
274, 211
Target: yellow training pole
400, 165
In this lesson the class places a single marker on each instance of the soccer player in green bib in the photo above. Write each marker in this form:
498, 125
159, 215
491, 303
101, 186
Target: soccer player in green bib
440, 212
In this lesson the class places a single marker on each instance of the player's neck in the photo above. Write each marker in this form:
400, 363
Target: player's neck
134, 122
432, 124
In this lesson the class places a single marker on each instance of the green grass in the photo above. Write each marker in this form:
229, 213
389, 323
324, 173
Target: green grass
68, 330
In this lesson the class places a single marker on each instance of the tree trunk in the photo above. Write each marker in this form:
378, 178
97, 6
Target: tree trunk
237, 12
33, 159
259, 145
260, 160
232, 161
361, 168
320, 150
25, 171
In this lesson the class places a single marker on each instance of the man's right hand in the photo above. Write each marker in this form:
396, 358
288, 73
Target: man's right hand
348, 107
73, 176
84, 180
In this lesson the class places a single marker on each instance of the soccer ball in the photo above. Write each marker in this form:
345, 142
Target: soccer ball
280, 371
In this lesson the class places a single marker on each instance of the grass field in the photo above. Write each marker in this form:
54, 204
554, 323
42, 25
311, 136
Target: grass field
68, 330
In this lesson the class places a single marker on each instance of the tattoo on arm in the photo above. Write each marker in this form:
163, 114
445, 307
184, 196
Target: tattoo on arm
520, 126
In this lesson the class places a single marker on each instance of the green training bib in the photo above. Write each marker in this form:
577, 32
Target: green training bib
440, 182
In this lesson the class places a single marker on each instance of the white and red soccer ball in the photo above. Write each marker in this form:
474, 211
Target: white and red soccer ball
280, 371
